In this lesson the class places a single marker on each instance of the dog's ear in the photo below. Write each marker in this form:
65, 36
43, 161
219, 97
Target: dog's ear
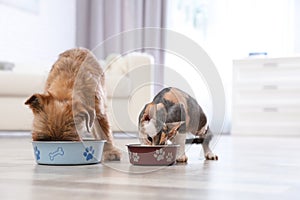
173, 128
169, 130
84, 115
154, 111
146, 116
89, 119
35, 102
164, 135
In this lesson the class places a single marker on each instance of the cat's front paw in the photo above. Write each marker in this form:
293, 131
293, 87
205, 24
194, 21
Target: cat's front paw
211, 156
182, 159
112, 155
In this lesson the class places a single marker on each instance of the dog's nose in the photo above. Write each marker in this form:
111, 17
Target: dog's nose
150, 139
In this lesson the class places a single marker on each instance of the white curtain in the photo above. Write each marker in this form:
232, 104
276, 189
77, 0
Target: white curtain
117, 26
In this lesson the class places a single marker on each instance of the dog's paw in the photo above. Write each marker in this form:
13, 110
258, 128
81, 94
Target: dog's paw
211, 156
182, 159
112, 155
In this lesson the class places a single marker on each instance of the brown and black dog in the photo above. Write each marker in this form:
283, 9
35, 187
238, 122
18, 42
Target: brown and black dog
73, 102
171, 115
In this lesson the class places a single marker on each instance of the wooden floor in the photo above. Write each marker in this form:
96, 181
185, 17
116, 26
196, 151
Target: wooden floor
248, 168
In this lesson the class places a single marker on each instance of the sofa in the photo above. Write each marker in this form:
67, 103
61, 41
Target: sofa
127, 87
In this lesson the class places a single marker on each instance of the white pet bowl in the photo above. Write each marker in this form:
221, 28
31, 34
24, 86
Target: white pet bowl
67, 152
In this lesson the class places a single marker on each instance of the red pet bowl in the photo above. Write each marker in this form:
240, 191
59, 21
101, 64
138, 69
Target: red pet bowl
161, 155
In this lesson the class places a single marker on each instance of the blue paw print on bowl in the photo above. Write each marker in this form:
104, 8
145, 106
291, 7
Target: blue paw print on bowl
89, 152
37, 153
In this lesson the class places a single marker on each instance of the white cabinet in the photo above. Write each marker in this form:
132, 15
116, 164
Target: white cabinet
266, 96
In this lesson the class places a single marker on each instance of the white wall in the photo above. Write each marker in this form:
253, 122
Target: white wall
258, 25
297, 25
27, 37
233, 28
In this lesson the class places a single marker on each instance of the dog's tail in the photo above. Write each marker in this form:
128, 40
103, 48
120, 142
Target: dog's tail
196, 140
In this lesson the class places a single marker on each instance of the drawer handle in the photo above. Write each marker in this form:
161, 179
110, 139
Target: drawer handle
270, 65
270, 87
270, 109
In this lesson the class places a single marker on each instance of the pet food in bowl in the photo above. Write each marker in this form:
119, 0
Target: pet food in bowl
152, 155
68, 152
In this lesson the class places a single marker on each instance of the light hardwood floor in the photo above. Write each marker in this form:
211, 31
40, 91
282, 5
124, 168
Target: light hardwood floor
248, 168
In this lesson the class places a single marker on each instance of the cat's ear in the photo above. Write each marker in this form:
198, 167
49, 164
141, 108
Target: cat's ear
173, 128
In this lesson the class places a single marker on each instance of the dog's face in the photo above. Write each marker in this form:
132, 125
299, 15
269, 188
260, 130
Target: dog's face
150, 135
56, 120
152, 127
